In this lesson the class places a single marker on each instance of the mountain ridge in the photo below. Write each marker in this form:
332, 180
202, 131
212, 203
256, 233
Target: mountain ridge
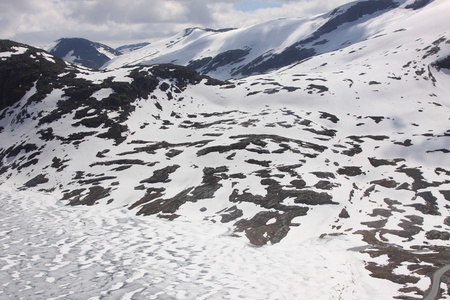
87, 53
240, 52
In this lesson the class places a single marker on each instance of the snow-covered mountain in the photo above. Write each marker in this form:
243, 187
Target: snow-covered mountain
269, 46
351, 144
82, 52
132, 47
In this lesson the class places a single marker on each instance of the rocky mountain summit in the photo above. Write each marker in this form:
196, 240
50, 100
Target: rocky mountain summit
352, 142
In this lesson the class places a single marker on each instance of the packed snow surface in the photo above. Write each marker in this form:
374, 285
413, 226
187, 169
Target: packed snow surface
51, 251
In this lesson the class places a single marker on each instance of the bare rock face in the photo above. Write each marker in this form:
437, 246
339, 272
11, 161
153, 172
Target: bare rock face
84, 52
418, 4
39, 179
438, 235
19, 72
268, 226
443, 63
344, 214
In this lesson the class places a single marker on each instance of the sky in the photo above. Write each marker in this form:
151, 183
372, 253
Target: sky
119, 22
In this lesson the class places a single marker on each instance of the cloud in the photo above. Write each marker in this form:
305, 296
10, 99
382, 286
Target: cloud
116, 21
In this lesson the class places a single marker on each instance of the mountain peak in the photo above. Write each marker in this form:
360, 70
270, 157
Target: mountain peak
83, 52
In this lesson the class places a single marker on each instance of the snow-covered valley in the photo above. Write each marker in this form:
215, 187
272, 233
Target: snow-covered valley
327, 178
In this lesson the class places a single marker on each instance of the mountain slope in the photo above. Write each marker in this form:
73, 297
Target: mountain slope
271, 45
132, 47
83, 52
352, 143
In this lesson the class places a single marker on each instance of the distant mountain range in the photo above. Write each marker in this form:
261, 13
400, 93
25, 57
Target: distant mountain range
235, 53
336, 126
268, 46
87, 53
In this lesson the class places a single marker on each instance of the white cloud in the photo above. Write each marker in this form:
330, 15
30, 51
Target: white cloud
116, 21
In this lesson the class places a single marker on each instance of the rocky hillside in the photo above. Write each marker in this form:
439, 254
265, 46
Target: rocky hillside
351, 143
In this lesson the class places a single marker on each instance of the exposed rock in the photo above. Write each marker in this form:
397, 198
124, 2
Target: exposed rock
97, 180
298, 183
353, 13
39, 179
263, 63
58, 164
85, 52
161, 175
418, 4
447, 221
313, 198
208, 64
416, 219
151, 195
173, 152
384, 162
387, 183
324, 185
331, 117
344, 214
350, 171
443, 63
446, 194
95, 193
263, 163
20, 72
375, 224
166, 206
318, 88
430, 207
289, 169
231, 214
437, 235
120, 162
381, 212
324, 175
268, 226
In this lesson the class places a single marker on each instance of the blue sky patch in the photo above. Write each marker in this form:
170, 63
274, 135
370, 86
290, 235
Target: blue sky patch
252, 5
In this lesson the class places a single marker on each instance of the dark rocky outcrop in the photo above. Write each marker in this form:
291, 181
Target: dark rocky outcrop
39, 179
350, 171
83, 51
344, 214
265, 63
260, 231
20, 72
95, 193
443, 63
161, 175
209, 64
353, 13
437, 235
231, 214
418, 4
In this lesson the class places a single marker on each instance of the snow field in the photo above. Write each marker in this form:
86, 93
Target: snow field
50, 251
